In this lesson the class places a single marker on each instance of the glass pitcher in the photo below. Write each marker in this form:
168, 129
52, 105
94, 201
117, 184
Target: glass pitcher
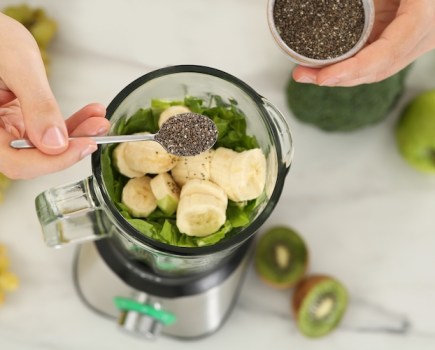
83, 211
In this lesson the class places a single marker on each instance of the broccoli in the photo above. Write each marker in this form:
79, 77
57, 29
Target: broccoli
345, 108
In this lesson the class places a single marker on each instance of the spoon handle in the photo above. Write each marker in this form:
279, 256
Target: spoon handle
23, 143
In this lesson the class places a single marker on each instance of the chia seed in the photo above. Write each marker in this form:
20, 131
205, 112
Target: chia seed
319, 29
187, 134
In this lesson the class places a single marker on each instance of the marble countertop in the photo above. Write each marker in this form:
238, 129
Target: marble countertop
367, 217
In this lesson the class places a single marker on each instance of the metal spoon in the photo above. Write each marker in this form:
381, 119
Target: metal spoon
185, 134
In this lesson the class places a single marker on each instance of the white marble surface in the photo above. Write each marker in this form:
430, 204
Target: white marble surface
367, 217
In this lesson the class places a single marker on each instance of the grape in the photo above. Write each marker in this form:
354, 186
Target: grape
21, 13
42, 27
43, 31
4, 183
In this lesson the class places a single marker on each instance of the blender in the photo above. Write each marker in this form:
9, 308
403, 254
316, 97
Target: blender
152, 287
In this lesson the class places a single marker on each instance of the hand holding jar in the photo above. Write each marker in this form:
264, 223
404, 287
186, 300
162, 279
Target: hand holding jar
403, 30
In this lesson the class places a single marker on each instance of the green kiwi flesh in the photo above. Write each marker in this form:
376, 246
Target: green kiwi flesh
319, 303
281, 257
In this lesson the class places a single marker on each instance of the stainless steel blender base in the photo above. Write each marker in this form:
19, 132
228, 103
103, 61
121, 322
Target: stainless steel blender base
197, 315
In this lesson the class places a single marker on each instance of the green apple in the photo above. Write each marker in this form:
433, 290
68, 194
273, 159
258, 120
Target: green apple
415, 132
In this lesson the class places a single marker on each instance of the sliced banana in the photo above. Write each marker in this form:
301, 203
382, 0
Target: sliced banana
196, 167
179, 172
120, 163
200, 214
148, 157
205, 187
8, 281
166, 191
242, 175
4, 260
138, 197
219, 169
248, 175
170, 112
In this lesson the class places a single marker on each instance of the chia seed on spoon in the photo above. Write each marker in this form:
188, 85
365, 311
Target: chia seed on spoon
187, 134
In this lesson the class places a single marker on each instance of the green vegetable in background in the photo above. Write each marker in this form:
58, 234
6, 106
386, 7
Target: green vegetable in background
231, 124
41, 26
415, 132
4, 184
345, 108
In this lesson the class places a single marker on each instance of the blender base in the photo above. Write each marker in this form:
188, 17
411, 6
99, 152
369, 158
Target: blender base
197, 315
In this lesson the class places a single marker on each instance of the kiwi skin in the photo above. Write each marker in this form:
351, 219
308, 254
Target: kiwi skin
304, 287
290, 283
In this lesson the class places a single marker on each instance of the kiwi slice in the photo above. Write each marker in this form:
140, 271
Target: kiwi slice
281, 257
319, 303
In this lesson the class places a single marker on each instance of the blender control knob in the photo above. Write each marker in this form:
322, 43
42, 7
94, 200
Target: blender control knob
134, 322
143, 319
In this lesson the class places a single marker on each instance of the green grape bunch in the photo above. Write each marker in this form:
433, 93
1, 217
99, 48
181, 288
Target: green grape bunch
4, 184
41, 26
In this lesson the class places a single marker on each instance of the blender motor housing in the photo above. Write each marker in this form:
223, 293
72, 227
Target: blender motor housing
200, 303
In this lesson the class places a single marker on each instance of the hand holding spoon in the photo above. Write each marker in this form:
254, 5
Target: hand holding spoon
185, 134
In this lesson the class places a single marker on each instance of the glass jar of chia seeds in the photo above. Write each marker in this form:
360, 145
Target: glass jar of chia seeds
317, 33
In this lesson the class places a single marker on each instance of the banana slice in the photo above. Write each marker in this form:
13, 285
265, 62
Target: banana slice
196, 167
138, 197
248, 175
166, 191
8, 281
118, 156
205, 187
4, 260
200, 214
171, 111
219, 169
148, 157
241, 175
4, 263
179, 172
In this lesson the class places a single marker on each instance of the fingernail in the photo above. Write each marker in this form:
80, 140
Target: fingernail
103, 130
330, 82
53, 138
88, 150
305, 79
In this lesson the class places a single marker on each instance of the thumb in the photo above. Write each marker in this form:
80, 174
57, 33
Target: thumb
44, 123
23, 72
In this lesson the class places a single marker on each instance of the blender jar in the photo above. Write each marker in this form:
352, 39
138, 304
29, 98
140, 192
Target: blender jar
83, 211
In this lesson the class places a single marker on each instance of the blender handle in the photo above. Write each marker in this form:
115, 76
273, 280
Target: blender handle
283, 130
71, 214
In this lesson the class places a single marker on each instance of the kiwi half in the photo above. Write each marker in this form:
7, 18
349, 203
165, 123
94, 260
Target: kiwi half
281, 257
319, 303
